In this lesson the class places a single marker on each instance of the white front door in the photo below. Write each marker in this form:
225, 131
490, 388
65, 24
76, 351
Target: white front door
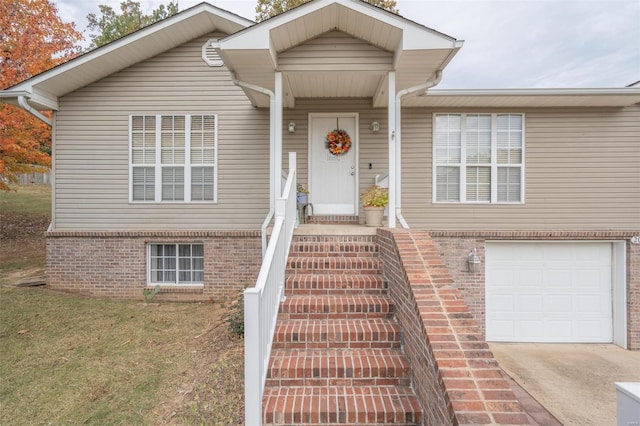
333, 179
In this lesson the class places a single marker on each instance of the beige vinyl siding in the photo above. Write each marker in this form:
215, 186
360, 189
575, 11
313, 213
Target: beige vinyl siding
582, 172
373, 147
335, 50
92, 147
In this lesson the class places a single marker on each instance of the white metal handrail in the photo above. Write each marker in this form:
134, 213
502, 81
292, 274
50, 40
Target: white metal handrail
261, 302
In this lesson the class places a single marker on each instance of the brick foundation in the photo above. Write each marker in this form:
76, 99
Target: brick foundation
454, 247
114, 264
455, 376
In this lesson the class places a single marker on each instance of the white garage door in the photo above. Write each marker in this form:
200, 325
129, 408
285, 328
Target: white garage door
548, 292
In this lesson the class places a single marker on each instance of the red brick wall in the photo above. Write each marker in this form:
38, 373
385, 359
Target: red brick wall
454, 247
114, 264
454, 374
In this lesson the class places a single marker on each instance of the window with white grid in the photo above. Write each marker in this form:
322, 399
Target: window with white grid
175, 264
173, 158
478, 158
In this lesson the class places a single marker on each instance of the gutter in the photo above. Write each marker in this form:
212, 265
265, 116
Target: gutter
272, 122
22, 101
398, 181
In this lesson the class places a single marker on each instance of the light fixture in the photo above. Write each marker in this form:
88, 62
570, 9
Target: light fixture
292, 126
375, 127
473, 260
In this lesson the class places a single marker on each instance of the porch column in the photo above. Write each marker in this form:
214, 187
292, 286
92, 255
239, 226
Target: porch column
391, 113
277, 139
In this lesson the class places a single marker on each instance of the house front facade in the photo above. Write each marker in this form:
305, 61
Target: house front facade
169, 145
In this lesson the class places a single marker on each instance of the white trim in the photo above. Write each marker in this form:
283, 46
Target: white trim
150, 283
393, 131
187, 165
132, 38
52, 181
533, 92
462, 165
619, 296
356, 160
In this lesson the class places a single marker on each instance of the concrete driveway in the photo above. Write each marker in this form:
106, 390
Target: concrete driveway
574, 382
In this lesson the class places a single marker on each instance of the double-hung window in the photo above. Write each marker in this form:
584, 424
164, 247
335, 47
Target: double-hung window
173, 158
478, 158
175, 264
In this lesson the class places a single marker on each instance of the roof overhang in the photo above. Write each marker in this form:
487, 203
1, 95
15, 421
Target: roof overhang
525, 98
418, 52
44, 89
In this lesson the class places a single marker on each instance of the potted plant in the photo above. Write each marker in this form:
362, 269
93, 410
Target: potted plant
374, 200
302, 194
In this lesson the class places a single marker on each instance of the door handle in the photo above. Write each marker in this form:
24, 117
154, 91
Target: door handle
353, 173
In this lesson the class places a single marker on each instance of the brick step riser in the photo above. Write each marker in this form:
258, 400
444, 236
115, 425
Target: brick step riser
334, 239
334, 248
301, 284
334, 315
346, 307
313, 345
352, 264
355, 405
339, 381
326, 271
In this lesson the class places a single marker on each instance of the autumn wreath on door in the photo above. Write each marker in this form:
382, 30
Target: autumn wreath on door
338, 142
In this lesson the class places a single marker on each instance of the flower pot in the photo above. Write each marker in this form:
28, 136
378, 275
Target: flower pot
373, 216
301, 198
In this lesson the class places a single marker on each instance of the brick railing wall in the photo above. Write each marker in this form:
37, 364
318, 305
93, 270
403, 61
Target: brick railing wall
454, 374
454, 246
114, 264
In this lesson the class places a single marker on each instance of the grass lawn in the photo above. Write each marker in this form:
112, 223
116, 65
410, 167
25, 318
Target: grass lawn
66, 359
24, 217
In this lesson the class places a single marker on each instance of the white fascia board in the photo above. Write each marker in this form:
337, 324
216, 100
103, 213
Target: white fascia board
534, 92
259, 33
132, 38
39, 101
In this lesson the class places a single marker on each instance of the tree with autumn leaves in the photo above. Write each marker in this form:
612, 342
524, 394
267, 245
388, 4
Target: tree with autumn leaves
266, 9
33, 39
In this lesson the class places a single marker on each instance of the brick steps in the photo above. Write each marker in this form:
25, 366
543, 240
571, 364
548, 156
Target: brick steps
342, 333
334, 265
298, 284
334, 249
336, 307
382, 367
336, 356
375, 405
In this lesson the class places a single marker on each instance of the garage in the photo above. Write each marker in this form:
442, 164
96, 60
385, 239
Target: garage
549, 291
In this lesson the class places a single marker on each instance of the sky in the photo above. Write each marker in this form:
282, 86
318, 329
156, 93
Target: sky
510, 44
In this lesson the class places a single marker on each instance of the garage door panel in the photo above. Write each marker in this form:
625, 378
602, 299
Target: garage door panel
548, 291
529, 303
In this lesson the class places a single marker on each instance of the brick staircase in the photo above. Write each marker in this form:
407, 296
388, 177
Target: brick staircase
336, 355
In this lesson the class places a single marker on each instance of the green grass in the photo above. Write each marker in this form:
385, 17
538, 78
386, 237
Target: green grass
24, 217
26, 200
71, 360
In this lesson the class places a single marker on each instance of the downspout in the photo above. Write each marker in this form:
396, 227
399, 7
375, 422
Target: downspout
273, 181
22, 101
398, 189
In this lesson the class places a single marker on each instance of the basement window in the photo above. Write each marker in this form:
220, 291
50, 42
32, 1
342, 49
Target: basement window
175, 264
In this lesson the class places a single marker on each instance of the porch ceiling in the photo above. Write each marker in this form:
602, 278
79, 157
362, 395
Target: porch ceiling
415, 52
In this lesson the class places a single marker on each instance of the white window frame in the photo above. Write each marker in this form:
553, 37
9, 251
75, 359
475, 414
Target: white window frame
158, 165
463, 163
150, 282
